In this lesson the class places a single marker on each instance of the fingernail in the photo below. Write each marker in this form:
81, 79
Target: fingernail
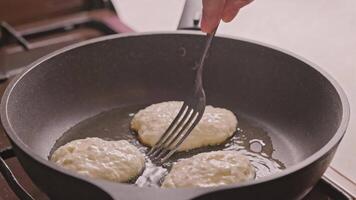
228, 18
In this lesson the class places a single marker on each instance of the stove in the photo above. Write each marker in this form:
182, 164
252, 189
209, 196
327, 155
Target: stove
48, 25
27, 37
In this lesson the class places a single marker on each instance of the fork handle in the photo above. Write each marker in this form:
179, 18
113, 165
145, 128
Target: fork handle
199, 75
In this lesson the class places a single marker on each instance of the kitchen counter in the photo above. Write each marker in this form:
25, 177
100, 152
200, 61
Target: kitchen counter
322, 31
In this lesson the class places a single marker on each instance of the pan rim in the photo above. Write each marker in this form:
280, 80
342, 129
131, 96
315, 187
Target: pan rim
289, 170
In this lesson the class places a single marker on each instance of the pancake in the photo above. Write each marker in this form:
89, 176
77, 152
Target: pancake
216, 125
210, 169
117, 161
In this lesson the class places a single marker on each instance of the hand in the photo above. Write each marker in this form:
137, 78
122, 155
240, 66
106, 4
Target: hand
216, 10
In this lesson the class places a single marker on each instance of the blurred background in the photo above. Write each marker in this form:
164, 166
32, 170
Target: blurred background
321, 31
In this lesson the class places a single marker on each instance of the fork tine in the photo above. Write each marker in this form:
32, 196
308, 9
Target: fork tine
174, 149
166, 148
173, 143
173, 133
172, 125
161, 154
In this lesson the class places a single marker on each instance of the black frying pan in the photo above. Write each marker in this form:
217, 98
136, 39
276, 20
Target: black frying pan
304, 111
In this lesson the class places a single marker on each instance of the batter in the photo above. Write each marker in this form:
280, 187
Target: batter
210, 169
117, 161
216, 125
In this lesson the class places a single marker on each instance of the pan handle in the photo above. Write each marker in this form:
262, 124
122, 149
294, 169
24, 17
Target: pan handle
9, 176
191, 15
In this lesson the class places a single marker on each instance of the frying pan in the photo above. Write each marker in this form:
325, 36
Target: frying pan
303, 108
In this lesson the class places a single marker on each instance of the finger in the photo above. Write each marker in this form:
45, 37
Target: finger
229, 14
232, 7
212, 12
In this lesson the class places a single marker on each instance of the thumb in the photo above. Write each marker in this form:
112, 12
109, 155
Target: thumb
212, 13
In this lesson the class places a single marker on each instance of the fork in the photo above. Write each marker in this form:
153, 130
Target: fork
188, 116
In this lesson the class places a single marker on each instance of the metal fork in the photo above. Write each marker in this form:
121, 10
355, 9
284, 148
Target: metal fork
188, 116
